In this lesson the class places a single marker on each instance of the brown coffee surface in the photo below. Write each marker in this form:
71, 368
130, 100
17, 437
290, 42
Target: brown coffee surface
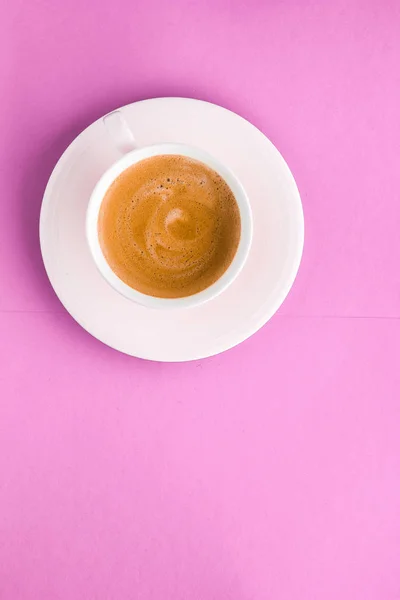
169, 226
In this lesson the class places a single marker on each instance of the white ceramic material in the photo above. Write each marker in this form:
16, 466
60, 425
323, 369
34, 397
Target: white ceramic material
239, 311
114, 171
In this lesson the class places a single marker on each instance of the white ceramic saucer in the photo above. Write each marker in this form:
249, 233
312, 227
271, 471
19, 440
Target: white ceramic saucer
185, 334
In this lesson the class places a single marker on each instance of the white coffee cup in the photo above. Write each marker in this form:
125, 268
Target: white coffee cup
125, 142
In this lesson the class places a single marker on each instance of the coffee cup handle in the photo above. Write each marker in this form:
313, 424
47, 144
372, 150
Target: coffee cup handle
119, 132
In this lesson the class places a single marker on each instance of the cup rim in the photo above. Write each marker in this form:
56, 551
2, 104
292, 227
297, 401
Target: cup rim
134, 156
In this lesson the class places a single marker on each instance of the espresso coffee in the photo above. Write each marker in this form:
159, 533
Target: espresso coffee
169, 226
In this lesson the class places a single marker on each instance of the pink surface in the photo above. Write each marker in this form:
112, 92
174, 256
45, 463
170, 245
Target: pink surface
272, 471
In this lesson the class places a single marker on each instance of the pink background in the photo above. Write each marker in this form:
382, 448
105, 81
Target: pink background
271, 471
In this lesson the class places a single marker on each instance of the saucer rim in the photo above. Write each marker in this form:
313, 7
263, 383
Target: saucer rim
259, 323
